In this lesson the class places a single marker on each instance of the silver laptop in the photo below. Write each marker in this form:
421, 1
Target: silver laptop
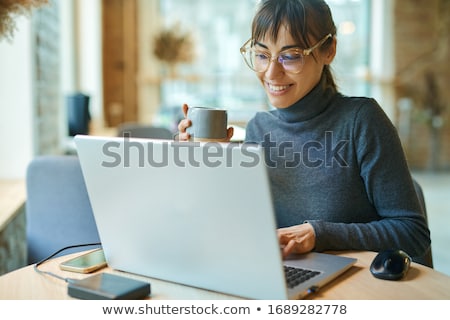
199, 214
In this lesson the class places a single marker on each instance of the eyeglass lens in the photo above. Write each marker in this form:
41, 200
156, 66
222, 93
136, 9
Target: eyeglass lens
259, 61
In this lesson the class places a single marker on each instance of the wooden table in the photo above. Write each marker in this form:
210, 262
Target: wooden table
421, 283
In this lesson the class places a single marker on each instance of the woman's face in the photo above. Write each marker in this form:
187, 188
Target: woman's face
282, 88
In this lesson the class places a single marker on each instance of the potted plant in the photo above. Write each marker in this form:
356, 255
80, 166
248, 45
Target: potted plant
172, 47
10, 9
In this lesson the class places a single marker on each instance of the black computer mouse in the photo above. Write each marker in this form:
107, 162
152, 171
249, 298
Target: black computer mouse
390, 264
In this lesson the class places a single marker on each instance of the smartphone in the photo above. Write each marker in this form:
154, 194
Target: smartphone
85, 263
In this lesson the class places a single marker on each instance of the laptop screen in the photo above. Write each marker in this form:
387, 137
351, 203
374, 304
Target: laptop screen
195, 213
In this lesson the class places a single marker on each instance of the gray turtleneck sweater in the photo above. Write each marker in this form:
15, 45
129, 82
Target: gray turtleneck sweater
337, 163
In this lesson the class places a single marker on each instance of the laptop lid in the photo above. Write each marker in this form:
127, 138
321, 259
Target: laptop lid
198, 214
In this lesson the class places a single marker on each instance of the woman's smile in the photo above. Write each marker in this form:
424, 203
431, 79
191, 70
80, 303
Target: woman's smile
277, 89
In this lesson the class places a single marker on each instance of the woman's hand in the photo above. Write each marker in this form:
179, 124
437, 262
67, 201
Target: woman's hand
297, 239
186, 123
183, 125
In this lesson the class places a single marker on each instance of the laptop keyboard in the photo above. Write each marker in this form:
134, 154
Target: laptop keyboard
295, 276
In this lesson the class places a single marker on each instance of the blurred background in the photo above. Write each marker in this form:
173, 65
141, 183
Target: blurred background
89, 66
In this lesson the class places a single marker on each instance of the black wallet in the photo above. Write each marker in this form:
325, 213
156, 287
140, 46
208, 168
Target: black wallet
107, 286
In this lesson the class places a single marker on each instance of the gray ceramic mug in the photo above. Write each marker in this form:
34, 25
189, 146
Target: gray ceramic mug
208, 124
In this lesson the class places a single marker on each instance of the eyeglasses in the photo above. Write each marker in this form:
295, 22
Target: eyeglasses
292, 60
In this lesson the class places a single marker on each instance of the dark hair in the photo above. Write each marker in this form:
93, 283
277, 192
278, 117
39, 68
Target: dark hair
305, 19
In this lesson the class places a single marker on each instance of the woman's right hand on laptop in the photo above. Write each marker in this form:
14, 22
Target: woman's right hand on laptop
297, 239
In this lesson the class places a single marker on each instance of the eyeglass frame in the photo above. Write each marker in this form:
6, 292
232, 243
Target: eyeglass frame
303, 53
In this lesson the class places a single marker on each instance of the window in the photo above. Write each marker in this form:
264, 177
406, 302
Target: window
351, 65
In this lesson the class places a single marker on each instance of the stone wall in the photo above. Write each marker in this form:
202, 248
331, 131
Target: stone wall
421, 35
48, 101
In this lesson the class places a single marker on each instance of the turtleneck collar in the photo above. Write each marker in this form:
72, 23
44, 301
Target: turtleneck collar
314, 103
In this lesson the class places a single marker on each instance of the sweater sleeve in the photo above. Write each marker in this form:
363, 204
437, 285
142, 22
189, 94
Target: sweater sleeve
389, 187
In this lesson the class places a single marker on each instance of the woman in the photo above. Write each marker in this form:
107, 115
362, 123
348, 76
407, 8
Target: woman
338, 173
